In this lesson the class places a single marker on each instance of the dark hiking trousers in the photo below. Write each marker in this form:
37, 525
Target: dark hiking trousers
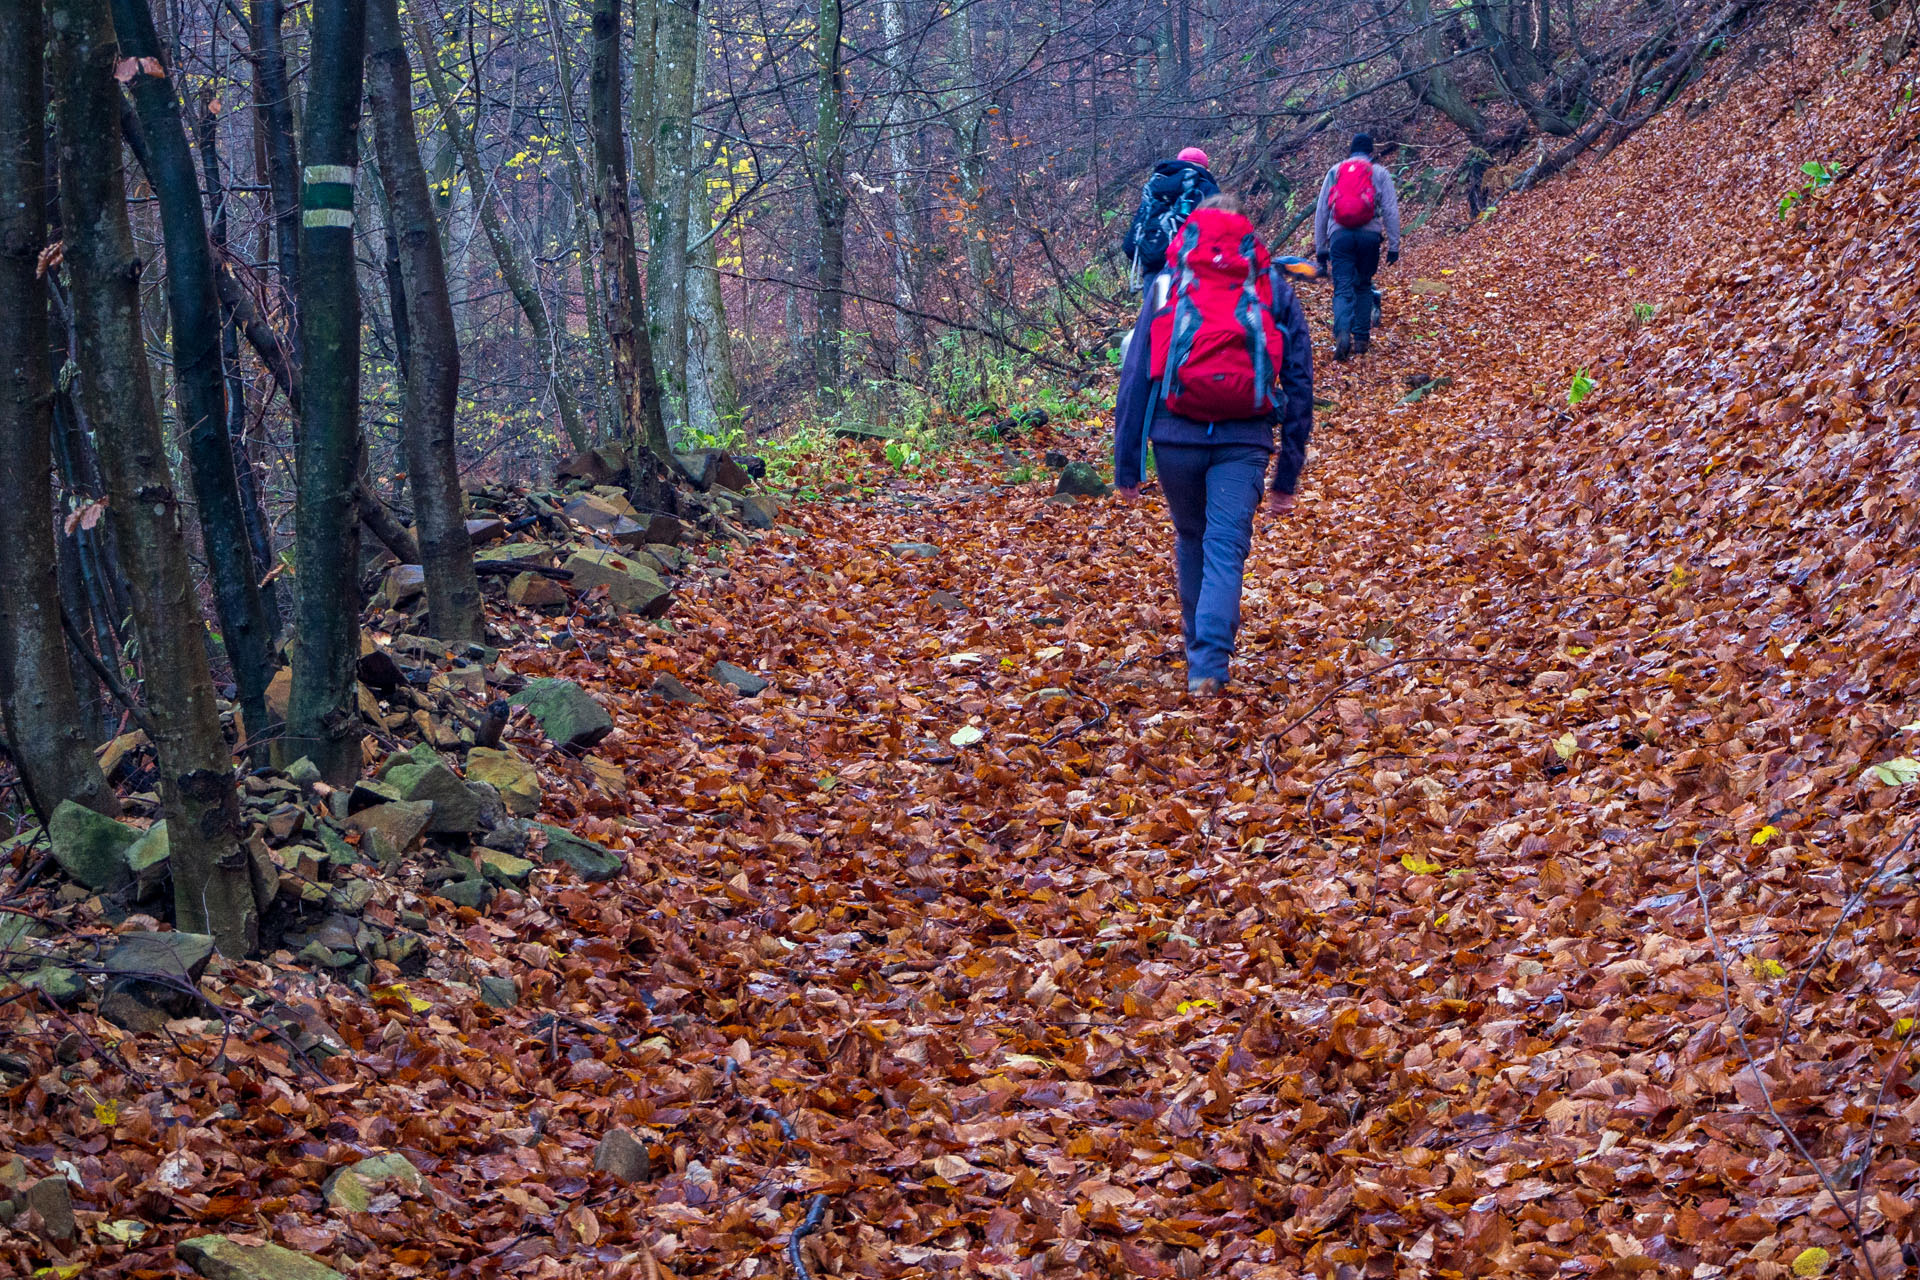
1356, 256
1213, 492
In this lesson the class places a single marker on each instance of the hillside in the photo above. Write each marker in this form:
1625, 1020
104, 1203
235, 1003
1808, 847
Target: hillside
1532, 906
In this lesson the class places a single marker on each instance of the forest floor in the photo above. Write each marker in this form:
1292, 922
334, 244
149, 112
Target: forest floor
1539, 901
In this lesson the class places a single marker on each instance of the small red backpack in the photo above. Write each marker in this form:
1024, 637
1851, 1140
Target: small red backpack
1352, 200
1216, 349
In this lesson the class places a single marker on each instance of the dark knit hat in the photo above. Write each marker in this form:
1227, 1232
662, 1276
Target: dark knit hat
1362, 144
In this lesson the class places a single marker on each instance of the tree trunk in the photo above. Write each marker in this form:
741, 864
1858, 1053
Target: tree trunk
44, 725
213, 892
830, 205
713, 392
200, 388
433, 365
515, 268
909, 334
273, 116
970, 145
675, 83
608, 397
323, 717
633, 367
252, 510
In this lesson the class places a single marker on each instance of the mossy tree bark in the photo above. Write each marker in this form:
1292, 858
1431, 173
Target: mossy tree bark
45, 727
323, 718
213, 889
433, 363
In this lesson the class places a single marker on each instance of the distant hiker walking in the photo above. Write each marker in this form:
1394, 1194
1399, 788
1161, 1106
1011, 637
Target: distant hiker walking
1174, 190
1220, 356
1358, 209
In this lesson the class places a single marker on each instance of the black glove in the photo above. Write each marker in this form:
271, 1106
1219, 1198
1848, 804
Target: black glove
1393, 256
1326, 263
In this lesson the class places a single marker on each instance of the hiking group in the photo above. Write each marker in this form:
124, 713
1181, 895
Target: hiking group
1217, 374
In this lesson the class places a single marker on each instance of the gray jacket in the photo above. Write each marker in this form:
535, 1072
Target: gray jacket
1386, 210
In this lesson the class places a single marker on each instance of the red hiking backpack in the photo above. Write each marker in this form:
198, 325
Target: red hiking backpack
1216, 349
1352, 200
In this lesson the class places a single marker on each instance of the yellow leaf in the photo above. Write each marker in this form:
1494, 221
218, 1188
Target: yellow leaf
1188, 1006
107, 1113
1765, 833
67, 1272
1418, 865
1897, 772
1677, 577
1811, 1262
1442, 918
125, 1230
1903, 1026
965, 736
1766, 967
398, 991
1575, 650
1566, 746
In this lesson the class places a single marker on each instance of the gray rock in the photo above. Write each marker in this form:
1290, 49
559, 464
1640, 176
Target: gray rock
622, 1155
467, 893
148, 858
393, 827
219, 1258
738, 677
181, 956
62, 986
511, 836
91, 847
456, 810
631, 585
303, 771
946, 600
566, 712
353, 1188
368, 792
52, 1199
516, 780
504, 869
405, 582
490, 809
499, 992
669, 686
759, 511
915, 550
130, 1013
1081, 480
590, 861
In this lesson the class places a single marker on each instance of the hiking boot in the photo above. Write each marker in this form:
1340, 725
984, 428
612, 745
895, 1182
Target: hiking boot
1360, 345
1342, 347
1206, 687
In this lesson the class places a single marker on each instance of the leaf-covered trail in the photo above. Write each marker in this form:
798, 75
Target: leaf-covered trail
1547, 865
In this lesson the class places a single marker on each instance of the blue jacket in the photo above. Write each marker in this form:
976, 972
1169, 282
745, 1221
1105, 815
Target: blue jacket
1140, 395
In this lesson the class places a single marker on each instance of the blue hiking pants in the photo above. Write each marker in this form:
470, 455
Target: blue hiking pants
1213, 492
1356, 256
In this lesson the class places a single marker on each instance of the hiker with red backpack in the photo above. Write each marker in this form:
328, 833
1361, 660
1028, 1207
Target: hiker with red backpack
1358, 209
1220, 356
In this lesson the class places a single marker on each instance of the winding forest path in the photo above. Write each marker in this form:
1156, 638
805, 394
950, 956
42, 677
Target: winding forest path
1532, 905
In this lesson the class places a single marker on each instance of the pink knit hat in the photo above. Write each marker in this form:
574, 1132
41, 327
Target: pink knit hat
1193, 155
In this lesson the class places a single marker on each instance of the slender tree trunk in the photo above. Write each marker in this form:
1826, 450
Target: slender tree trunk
713, 392
252, 510
44, 725
830, 204
323, 718
515, 268
199, 380
970, 144
633, 366
213, 890
909, 335
608, 397
675, 83
273, 116
433, 365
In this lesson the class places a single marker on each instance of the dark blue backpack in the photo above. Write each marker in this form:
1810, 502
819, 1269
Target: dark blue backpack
1175, 190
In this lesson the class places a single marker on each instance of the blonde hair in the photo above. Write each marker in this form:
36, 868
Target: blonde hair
1222, 201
